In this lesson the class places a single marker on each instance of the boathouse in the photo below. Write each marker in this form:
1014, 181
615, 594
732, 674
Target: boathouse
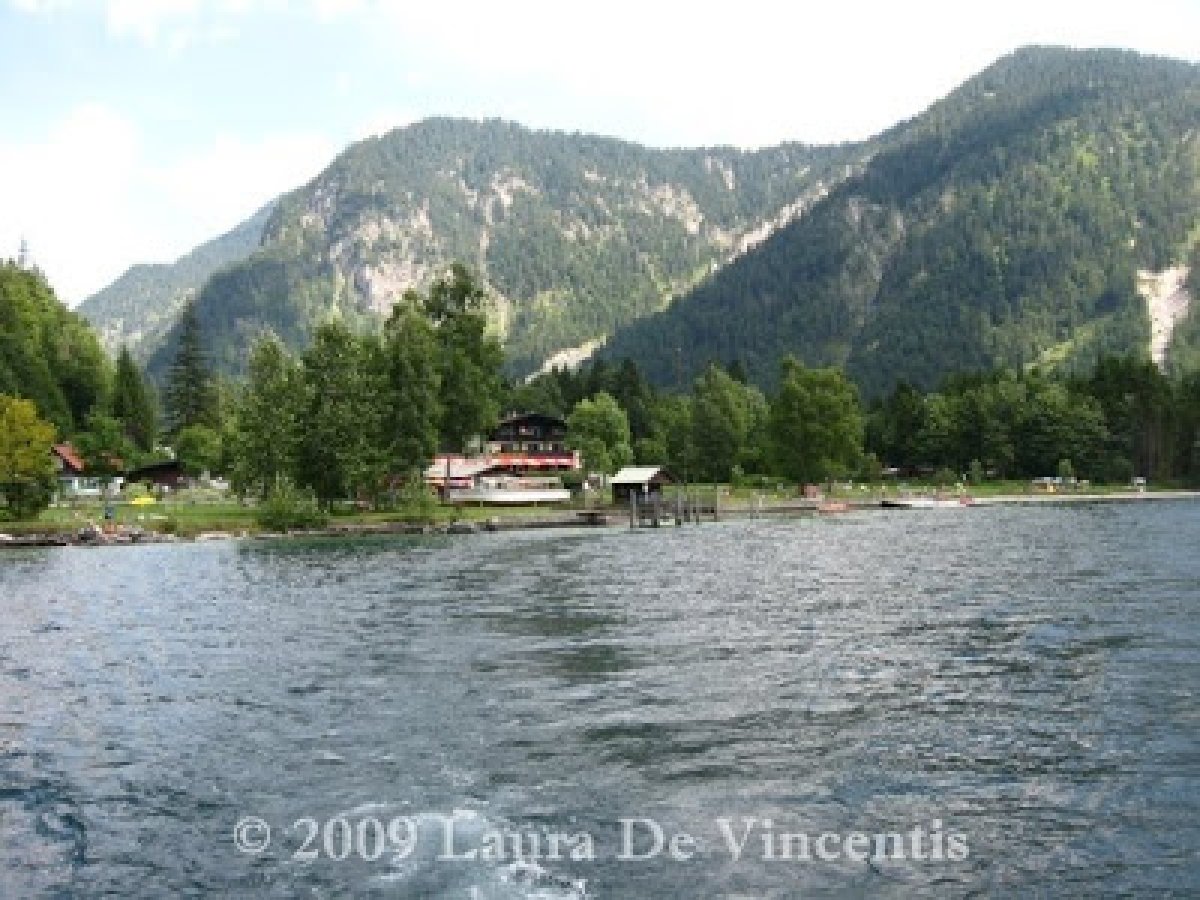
645, 481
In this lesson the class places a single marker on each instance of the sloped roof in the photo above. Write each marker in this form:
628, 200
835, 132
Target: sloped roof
69, 455
639, 475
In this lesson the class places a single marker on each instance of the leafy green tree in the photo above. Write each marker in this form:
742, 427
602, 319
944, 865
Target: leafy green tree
133, 403
471, 360
815, 424
672, 432
635, 395
341, 453
543, 394
1137, 402
26, 466
901, 420
1057, 426
286, 507
726, 425
191, 396
1188, 460
198, 449
411, 382
267, 433
457, 294
938, 441
599, 429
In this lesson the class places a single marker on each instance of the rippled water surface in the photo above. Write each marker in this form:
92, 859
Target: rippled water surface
1025, 679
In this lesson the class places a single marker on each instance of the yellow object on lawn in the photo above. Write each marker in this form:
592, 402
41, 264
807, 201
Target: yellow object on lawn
142, 501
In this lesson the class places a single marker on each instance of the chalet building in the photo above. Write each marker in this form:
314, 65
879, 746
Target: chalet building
521, 462
531, 441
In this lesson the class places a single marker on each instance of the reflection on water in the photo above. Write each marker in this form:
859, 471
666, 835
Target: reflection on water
1027, 678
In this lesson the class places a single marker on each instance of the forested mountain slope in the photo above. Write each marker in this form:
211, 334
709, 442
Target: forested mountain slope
1005, 226
48, 354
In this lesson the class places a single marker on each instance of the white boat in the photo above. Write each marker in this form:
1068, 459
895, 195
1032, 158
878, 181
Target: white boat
512, 490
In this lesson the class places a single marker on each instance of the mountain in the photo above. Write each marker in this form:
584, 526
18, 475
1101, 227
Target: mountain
574, 235
1005, 226
139, 308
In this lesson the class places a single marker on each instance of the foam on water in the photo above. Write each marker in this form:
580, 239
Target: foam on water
429, 871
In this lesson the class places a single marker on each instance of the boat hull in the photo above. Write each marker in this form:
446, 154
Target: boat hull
508, 497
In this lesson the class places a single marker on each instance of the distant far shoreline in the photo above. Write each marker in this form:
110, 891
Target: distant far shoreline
477, 520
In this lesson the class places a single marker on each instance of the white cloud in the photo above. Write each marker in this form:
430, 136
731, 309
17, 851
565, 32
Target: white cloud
759, 71
90, 202
330, 10
40, 6
170, 25
68, 194
754, 74
149, 21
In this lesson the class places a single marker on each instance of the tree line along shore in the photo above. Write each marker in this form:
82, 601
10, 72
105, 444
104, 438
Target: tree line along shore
347, 427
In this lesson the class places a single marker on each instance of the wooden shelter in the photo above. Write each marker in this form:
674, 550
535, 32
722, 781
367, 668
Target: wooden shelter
645, 481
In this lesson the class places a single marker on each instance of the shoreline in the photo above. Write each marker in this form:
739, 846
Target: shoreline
607, 517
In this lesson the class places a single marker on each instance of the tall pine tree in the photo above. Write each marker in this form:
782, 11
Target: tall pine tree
133, 403
191, 394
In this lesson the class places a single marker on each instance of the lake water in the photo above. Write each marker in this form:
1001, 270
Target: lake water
1021, 684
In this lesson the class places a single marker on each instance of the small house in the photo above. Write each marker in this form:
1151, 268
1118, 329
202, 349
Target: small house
73, 481
645, 481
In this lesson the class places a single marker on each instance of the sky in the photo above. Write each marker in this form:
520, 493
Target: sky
135, 130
